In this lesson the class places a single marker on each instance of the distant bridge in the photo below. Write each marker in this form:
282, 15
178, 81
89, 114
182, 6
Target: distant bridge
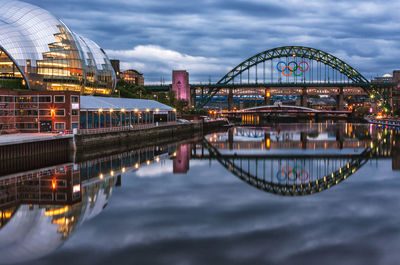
293, 70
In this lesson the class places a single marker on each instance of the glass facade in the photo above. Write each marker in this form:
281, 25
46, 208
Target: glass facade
42, 53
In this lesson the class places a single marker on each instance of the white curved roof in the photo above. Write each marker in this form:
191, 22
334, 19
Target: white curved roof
95, 103
29, 30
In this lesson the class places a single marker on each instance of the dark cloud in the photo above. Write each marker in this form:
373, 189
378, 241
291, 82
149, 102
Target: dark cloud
363, 33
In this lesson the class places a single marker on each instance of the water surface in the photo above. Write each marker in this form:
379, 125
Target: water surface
287, 194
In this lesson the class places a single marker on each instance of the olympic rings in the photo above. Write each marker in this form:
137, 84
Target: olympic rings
293, 67
292, 174
283, 71
301, 69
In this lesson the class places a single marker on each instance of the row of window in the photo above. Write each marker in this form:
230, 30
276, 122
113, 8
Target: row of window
37, 99
35, 113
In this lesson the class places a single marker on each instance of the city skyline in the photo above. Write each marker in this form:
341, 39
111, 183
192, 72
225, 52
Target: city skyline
210, 38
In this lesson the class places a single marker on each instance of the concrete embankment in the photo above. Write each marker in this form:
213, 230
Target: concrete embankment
14, 152
154, 135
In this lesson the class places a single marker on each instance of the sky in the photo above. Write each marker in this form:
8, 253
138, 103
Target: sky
210, 37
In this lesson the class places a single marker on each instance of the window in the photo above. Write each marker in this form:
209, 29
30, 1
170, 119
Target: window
59, 125
44, 112
60, 112
27, 99
75, 125
75, 112
59, 99
45, 99
74, 99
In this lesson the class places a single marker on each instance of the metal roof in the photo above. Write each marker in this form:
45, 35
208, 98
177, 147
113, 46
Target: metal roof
95, 103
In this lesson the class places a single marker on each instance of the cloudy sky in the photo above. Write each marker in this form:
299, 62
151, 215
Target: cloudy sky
210, 37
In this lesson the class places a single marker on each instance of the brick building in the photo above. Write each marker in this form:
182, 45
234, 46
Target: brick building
132, 77
34, 111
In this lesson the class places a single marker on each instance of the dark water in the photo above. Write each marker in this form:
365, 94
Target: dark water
290, 194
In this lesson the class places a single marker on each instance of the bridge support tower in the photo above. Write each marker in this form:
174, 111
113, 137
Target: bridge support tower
340, 100
230, 100
303, 97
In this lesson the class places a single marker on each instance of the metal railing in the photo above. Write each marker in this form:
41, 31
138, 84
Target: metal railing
135, 127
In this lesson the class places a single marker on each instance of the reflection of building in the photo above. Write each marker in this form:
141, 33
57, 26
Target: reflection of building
181, 162
39, 210
133, 77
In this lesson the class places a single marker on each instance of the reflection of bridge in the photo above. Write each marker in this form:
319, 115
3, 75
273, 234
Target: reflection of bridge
298, 173
294, 175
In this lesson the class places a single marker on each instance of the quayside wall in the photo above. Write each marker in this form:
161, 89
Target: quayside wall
48, 148
155, 135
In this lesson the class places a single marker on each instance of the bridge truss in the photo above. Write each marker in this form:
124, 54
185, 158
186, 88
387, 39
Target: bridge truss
295, 66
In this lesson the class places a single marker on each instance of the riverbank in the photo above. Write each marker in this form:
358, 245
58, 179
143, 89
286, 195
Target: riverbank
18, 147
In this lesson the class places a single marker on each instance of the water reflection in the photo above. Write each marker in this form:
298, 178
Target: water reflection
40, 209
258, 157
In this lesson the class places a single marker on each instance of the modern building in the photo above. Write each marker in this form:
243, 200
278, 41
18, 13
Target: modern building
132, 77
45, 69
39, 52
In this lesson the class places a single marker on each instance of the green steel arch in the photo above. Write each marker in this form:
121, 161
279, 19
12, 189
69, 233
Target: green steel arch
327, 59
295, 51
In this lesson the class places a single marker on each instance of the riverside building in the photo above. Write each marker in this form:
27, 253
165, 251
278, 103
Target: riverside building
46, 69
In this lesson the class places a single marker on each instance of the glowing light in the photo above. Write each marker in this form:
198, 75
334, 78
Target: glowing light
100, 110
57, 212
76, 188
101, 176
111, 110
112, 173
123, 110
148, 162
53, 184
136, 165
147, 110
123, 170
136, 110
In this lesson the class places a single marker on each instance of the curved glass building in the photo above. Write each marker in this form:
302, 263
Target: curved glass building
39, 52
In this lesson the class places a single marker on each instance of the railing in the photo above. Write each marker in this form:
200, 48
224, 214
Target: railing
135, 127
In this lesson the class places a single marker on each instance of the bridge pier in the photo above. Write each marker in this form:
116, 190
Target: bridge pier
230, 139
303, 97
340, 100
230, 100
303, 139
340, 135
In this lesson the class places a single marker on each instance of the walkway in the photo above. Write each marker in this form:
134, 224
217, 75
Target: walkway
9, 139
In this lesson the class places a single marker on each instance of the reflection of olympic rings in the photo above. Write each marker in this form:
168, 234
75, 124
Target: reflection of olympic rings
292, 174
294, 67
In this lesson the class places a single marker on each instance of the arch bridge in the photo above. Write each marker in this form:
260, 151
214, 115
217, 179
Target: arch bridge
295, 70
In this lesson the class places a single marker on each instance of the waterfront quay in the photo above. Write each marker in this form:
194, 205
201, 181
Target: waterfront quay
25, 145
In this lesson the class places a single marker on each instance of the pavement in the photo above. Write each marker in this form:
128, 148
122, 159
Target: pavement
9, 139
